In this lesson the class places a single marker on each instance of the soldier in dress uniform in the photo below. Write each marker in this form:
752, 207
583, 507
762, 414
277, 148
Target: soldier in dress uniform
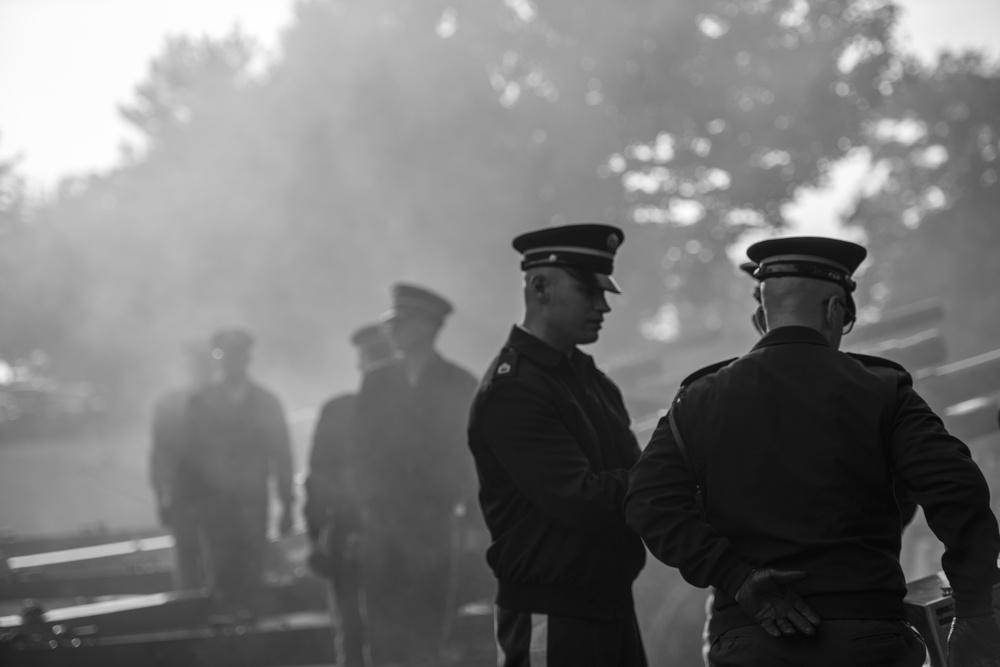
553, 447
175, 508
238, 443
331, 509
412, 474
773, 479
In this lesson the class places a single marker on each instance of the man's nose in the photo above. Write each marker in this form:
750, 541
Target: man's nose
602, 303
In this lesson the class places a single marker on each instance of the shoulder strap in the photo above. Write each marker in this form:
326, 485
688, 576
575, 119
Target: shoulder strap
879, 362
685, 452
707, 370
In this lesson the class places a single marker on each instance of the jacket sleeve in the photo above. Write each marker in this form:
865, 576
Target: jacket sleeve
280, 452
662, 507
163, 452
326, 469
520, 425
466, 386
329, 453
941, 476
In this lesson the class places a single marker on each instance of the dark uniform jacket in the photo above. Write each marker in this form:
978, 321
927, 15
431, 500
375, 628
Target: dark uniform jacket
794, 446
169, 433
410, 466
234, 447
552, 444
328, 486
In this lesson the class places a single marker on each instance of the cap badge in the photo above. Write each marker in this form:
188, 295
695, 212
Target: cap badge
553, 257
503, 368
612, 242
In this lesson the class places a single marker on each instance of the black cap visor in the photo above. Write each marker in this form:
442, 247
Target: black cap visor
593, 278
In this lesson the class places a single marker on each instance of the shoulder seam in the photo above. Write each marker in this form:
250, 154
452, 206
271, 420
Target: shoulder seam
704, 372
870, 360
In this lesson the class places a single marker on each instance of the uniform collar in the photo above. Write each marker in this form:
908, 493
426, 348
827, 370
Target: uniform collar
792, 334
533, 347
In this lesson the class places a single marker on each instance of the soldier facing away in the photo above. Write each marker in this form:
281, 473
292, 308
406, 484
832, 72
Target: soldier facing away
772, 479
332, 511
412, 473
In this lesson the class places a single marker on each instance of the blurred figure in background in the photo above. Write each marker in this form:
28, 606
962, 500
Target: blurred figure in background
238, 442
412, 472
553, 446
174, 505
332, 514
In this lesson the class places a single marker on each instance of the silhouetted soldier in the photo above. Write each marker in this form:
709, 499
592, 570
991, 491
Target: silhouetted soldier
412, 469
174, 505
238, 442
331, 510
552, 444
774, 479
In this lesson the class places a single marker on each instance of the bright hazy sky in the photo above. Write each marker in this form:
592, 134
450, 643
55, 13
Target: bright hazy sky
65, 65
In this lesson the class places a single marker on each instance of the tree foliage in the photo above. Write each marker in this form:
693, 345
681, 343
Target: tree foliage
931, 213
395, 140
712, 115
14, 241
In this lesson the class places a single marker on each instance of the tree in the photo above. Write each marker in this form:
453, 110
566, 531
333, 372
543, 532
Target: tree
124, 258
394, 140
11, 229
638, 112
723, 110
931, 215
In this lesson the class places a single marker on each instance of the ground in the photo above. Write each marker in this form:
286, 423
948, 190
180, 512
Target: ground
97, 482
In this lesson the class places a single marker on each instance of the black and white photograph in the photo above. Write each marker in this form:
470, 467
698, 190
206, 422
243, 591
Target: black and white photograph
499, 333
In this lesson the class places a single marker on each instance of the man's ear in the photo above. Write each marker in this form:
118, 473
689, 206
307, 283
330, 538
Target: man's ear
836, 321
538, 285
759, 320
